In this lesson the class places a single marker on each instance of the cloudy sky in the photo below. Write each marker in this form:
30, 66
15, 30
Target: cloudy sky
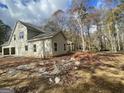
34, 11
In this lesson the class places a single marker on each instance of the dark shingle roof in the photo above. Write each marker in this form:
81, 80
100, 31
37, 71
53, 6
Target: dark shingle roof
43, 35
47, 34
31, 26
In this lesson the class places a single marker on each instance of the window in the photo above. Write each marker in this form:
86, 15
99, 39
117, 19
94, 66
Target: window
13, 50
26, 48
14, 37
35, 48
64, 46
6, 51
55, 46
21, 35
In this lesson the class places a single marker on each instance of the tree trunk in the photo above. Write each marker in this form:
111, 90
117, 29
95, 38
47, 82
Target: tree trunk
118, 39
82, 35
122, 36
100, 36
110, 36
89, 37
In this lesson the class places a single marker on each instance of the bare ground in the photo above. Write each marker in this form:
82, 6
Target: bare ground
96, 73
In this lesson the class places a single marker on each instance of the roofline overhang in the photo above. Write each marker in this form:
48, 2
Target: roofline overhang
38, 39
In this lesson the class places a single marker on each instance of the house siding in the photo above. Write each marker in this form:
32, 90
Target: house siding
43, 48
18, 43
60, 40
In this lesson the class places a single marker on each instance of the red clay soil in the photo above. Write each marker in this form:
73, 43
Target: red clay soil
86, 57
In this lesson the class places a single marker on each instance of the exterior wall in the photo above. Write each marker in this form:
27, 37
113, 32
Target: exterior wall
18, 43
39, 49
60, 40
47, 48
43, 49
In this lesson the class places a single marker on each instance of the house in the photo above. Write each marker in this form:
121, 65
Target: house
30, 41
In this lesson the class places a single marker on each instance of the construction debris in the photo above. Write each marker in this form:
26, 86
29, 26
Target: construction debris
57, 80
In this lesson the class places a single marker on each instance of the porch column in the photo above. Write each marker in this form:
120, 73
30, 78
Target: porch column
2, 51
44, 53
10, 51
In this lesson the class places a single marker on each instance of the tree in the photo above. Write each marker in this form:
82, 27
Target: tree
114, 32
4, 32
78, 21
79, 13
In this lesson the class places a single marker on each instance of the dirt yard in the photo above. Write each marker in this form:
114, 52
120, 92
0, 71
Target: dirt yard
78, 73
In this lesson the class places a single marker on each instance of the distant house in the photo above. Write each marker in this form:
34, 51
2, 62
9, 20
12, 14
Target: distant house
30, 41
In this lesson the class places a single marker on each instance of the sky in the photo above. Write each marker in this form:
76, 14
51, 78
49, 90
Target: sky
35, 11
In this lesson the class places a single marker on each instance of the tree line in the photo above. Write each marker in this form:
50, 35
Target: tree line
4, 33
78, 22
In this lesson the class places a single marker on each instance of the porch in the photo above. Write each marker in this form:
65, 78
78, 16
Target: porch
7, 51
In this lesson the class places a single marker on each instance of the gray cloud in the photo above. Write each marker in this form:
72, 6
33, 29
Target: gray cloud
34, 11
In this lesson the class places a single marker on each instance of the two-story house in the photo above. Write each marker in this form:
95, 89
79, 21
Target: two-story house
30, 41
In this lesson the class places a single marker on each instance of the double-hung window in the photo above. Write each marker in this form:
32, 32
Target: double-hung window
64, 46
26, 48
55, 46
21, 35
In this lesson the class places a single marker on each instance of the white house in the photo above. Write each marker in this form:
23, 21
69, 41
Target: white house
30, 41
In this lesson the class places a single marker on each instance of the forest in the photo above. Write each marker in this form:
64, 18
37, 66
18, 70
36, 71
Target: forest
93, 28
